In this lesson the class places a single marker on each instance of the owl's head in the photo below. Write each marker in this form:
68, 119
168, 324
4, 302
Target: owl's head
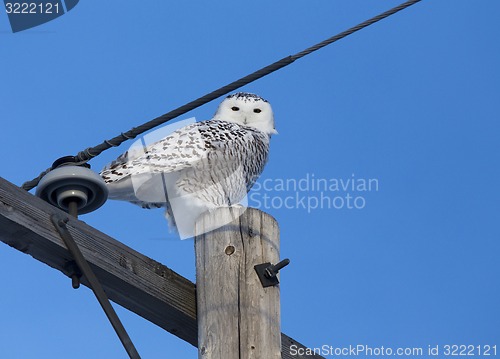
249, 110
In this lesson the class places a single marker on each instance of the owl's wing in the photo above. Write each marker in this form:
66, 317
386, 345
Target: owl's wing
172, 153
188, 147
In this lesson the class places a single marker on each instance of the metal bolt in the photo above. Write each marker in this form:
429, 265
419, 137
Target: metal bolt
74, 273
273, 270
75, 281
268, 273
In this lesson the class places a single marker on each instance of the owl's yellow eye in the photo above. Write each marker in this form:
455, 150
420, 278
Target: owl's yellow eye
234, 108
257, 110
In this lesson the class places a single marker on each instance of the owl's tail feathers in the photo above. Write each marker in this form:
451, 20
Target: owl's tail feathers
125, 192
142, 190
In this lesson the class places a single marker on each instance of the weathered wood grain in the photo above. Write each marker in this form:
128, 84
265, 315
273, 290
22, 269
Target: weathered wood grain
237, 317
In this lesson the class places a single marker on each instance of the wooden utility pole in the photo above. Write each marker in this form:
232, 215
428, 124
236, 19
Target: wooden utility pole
237, 317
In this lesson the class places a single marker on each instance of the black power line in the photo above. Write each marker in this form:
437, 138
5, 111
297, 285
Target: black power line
87, 154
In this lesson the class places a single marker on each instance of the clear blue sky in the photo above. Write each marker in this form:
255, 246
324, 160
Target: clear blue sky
412, 102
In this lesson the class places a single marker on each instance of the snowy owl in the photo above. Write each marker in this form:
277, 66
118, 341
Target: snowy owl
199, 167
